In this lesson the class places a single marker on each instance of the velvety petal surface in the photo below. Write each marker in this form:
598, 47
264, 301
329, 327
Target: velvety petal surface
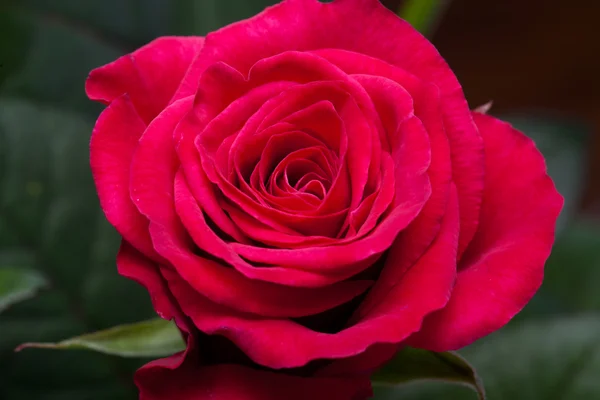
362, 27
149, 75
187, 376
504, 264
134, 265
427, 107
235, 382
283, 343
153, 191
114, 140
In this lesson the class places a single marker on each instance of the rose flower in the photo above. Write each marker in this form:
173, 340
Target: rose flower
306, 191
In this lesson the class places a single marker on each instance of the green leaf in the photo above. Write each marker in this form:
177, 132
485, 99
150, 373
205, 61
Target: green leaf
51, 222
411, 365
18, 284
50, 219
537, 360
153, 338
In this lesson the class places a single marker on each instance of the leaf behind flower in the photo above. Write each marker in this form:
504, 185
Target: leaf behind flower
411, 365
18, 284
153, 338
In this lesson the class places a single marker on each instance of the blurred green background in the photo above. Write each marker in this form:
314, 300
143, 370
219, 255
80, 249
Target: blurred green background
51, 223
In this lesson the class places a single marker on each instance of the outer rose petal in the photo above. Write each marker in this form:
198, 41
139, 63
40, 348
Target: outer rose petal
364, 363
114, 140
235, 382
183, 377
504, 265
134, 265
143, 76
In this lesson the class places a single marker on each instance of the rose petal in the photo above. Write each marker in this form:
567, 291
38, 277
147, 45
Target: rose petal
114, 140
417, 237
226, 286
363, 27
411, 171
277, 343
134, 265
428, 107
155, 163
201, 187
152, 188
504, 265
142, 75
176, 379
289, 301
277, 219
364, 363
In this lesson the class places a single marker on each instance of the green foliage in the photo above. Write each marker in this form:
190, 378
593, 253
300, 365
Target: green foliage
18, 284
154, 338
553, 359
51, 222
411, 365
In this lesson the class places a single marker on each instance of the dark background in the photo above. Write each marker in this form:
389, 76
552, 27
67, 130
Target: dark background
537, 60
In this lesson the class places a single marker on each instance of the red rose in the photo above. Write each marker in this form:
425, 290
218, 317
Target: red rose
306, 185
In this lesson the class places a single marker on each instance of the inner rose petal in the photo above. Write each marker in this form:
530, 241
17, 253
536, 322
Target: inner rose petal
298, 169
357, 187
278, 190
284, 179
312, 183
211, 202
319, 117
352, 118
411, 164
281, 69
252, 170
203, 235
466, 145
279, 146
388, 88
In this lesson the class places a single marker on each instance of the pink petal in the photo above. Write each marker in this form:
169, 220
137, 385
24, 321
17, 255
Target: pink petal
154, 165
190, 381
362, 27
114, 140
364, 363
134, 265
411, 171
504, 265
281, 343
153, 179
150, 75
428, 108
